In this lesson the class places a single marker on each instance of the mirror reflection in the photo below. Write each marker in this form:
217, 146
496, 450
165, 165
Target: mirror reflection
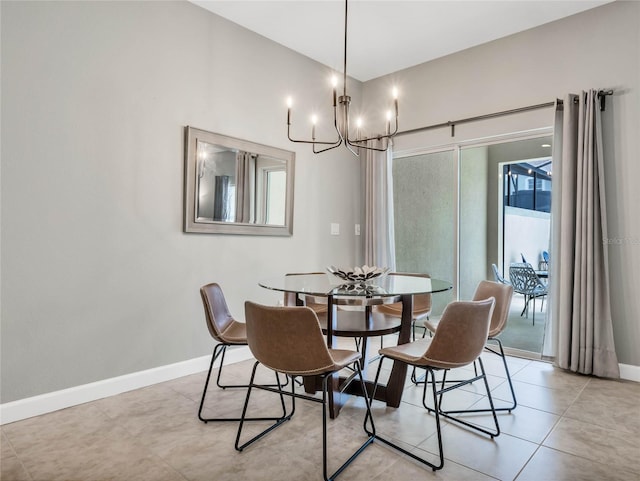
236, 186
260, 195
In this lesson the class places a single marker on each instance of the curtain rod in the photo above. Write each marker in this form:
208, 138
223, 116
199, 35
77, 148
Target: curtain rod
602, 94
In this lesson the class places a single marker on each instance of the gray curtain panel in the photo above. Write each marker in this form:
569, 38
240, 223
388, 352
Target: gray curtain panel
379, 235
221, 199
579, 270
245, 173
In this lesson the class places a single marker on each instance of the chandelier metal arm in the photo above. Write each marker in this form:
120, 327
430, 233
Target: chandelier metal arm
319, 142
333, 143
337, 144
378, 137
368, 147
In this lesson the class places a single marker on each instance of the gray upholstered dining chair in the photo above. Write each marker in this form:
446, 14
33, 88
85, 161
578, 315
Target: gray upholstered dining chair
227, 332
525, 281
459, 340
288, 340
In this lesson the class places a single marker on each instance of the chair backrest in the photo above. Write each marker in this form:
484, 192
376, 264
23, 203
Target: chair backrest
421, 302
287, 339
502, 293
461, 335
523, 278
216, 311
316, 303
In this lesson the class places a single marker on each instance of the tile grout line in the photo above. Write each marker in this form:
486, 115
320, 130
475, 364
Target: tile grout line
15, 452
528, 461
562, 416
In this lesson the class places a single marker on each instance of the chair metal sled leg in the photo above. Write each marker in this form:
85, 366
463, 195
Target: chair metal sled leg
279, 421
448, 414
220, 349
223, 350
324, 401
506, 369
390, 443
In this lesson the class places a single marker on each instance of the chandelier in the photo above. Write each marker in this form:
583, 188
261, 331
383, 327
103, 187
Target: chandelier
341, 120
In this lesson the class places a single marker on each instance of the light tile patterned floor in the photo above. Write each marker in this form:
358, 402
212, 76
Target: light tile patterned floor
566, 427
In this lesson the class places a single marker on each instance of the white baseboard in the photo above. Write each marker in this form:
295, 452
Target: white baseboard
629, 372
45, 403
53, 401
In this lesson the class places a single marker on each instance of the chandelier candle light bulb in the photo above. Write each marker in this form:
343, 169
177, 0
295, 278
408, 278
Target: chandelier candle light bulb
334, 82
314, 121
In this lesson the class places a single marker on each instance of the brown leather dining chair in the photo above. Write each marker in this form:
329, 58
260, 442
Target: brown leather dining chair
227, 332
315, 303
458, 341
288, 340
421, 307
502, 293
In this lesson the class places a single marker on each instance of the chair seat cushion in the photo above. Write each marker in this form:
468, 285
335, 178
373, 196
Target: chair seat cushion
235, 333
431, 324
410, 352
413, 353
343, 357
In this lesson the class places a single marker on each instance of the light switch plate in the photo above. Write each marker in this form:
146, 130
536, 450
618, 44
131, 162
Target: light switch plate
335, 229
357, 229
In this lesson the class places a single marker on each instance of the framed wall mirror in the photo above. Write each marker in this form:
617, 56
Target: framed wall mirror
233, 186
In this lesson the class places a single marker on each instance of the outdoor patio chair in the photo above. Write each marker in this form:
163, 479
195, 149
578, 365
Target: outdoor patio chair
525, 281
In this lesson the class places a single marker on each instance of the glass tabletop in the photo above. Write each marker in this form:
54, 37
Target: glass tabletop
320, 284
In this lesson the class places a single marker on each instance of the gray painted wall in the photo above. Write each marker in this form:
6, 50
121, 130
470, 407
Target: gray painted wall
98, 279
599, 48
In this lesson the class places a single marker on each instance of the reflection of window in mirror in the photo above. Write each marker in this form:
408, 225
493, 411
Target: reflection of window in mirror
271, 190
276, 185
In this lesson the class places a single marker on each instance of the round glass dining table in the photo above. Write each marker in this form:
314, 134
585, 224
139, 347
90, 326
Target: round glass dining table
325, 285
394, 287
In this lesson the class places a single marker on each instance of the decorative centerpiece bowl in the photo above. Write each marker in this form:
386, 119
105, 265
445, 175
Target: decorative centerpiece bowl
358, 275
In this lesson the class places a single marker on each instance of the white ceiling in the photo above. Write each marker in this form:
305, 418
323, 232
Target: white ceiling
388, 35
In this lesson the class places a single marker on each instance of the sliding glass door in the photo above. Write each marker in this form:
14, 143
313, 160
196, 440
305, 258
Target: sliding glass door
452, 222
